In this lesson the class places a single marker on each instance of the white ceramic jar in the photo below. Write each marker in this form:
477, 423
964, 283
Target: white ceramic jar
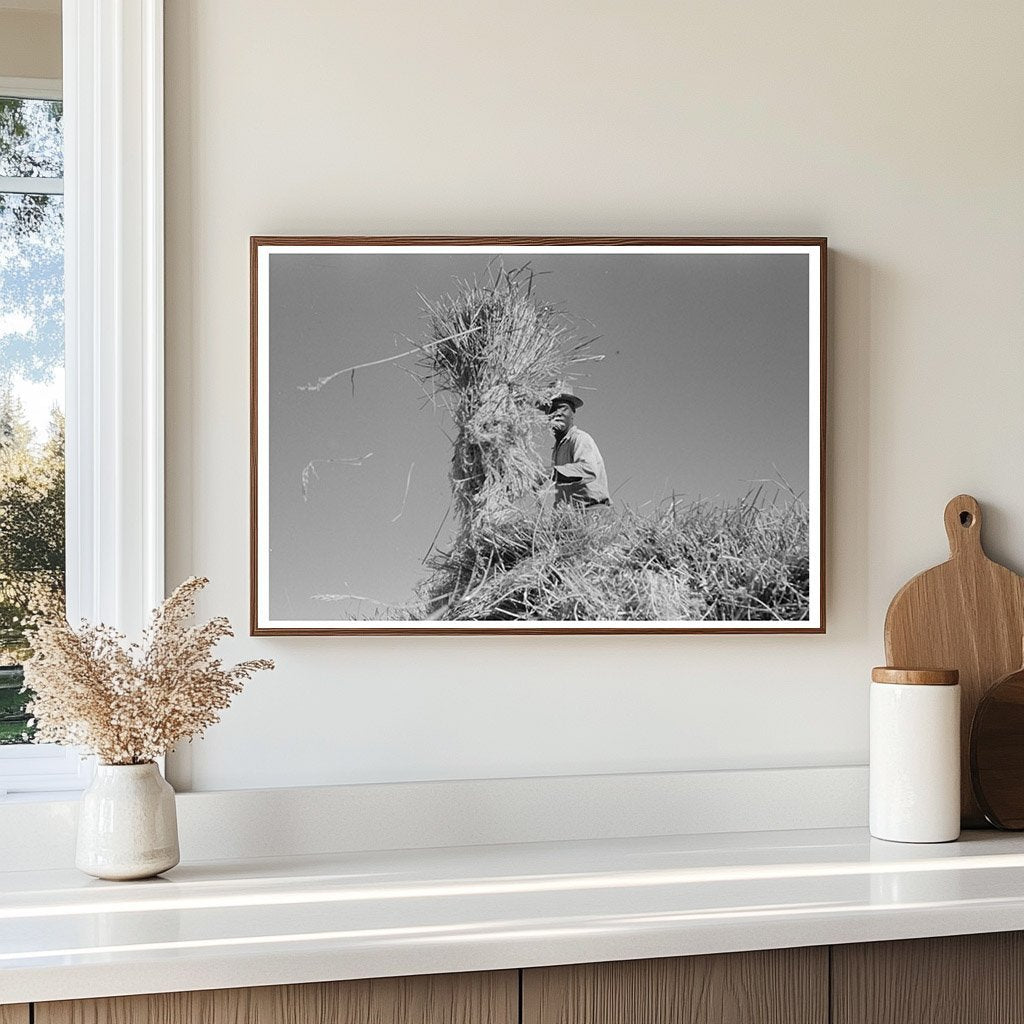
127, 823
915, 755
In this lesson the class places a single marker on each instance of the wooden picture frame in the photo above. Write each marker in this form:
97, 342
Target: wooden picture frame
698, 507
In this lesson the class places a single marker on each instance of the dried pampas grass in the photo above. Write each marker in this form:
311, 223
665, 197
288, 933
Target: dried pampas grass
130, 703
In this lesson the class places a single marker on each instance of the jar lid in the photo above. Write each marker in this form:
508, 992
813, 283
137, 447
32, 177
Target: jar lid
916, 676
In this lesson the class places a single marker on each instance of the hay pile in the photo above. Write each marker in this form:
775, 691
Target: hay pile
698, 562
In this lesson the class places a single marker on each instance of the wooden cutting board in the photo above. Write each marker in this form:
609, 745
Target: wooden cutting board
967, 614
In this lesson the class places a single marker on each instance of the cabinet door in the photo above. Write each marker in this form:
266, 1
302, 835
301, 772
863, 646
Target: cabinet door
962, 979
777, 986
490, 998
14, 1014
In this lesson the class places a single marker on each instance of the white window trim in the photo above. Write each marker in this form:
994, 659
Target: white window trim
32, 186
113, 170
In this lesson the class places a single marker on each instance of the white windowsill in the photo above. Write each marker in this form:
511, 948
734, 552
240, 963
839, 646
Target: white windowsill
42, 771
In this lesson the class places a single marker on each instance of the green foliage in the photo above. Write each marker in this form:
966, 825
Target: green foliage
31, 542
31, 503
31, 347
13, 717
31, 138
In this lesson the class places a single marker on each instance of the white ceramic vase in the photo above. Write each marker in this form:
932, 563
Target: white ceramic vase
127, 825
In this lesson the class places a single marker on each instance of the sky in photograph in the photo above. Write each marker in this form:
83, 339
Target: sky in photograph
703, 391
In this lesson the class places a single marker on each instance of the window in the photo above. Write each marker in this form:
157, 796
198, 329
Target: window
32, 532
113, 332
31, 383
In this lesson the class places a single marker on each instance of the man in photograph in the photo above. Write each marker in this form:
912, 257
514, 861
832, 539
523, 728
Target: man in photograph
576, 463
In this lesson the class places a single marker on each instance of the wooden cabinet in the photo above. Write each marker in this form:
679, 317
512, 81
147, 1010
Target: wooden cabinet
491, 998
962, 979
777, 986
967, 979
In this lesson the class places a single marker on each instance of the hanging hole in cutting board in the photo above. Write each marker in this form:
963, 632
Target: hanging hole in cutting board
966, 519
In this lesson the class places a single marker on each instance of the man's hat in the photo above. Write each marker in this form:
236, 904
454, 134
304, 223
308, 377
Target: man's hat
564, 393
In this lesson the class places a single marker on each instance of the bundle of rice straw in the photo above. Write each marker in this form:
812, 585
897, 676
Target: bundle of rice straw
496, 355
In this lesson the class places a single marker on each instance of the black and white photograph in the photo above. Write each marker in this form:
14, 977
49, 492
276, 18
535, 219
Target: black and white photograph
537, 435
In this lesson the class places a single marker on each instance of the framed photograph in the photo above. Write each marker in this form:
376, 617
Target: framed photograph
537, 435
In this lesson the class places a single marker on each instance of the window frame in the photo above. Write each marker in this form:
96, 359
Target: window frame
112, 90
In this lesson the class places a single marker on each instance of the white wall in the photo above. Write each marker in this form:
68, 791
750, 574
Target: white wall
895, 129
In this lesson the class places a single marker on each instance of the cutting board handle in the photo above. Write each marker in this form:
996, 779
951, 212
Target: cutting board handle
963, 526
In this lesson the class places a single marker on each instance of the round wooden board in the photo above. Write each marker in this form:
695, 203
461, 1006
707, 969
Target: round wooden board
997, 752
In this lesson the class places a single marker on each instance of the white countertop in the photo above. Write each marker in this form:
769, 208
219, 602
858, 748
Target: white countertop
225, 924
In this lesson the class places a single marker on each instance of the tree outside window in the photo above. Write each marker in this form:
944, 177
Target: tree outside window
31, 386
